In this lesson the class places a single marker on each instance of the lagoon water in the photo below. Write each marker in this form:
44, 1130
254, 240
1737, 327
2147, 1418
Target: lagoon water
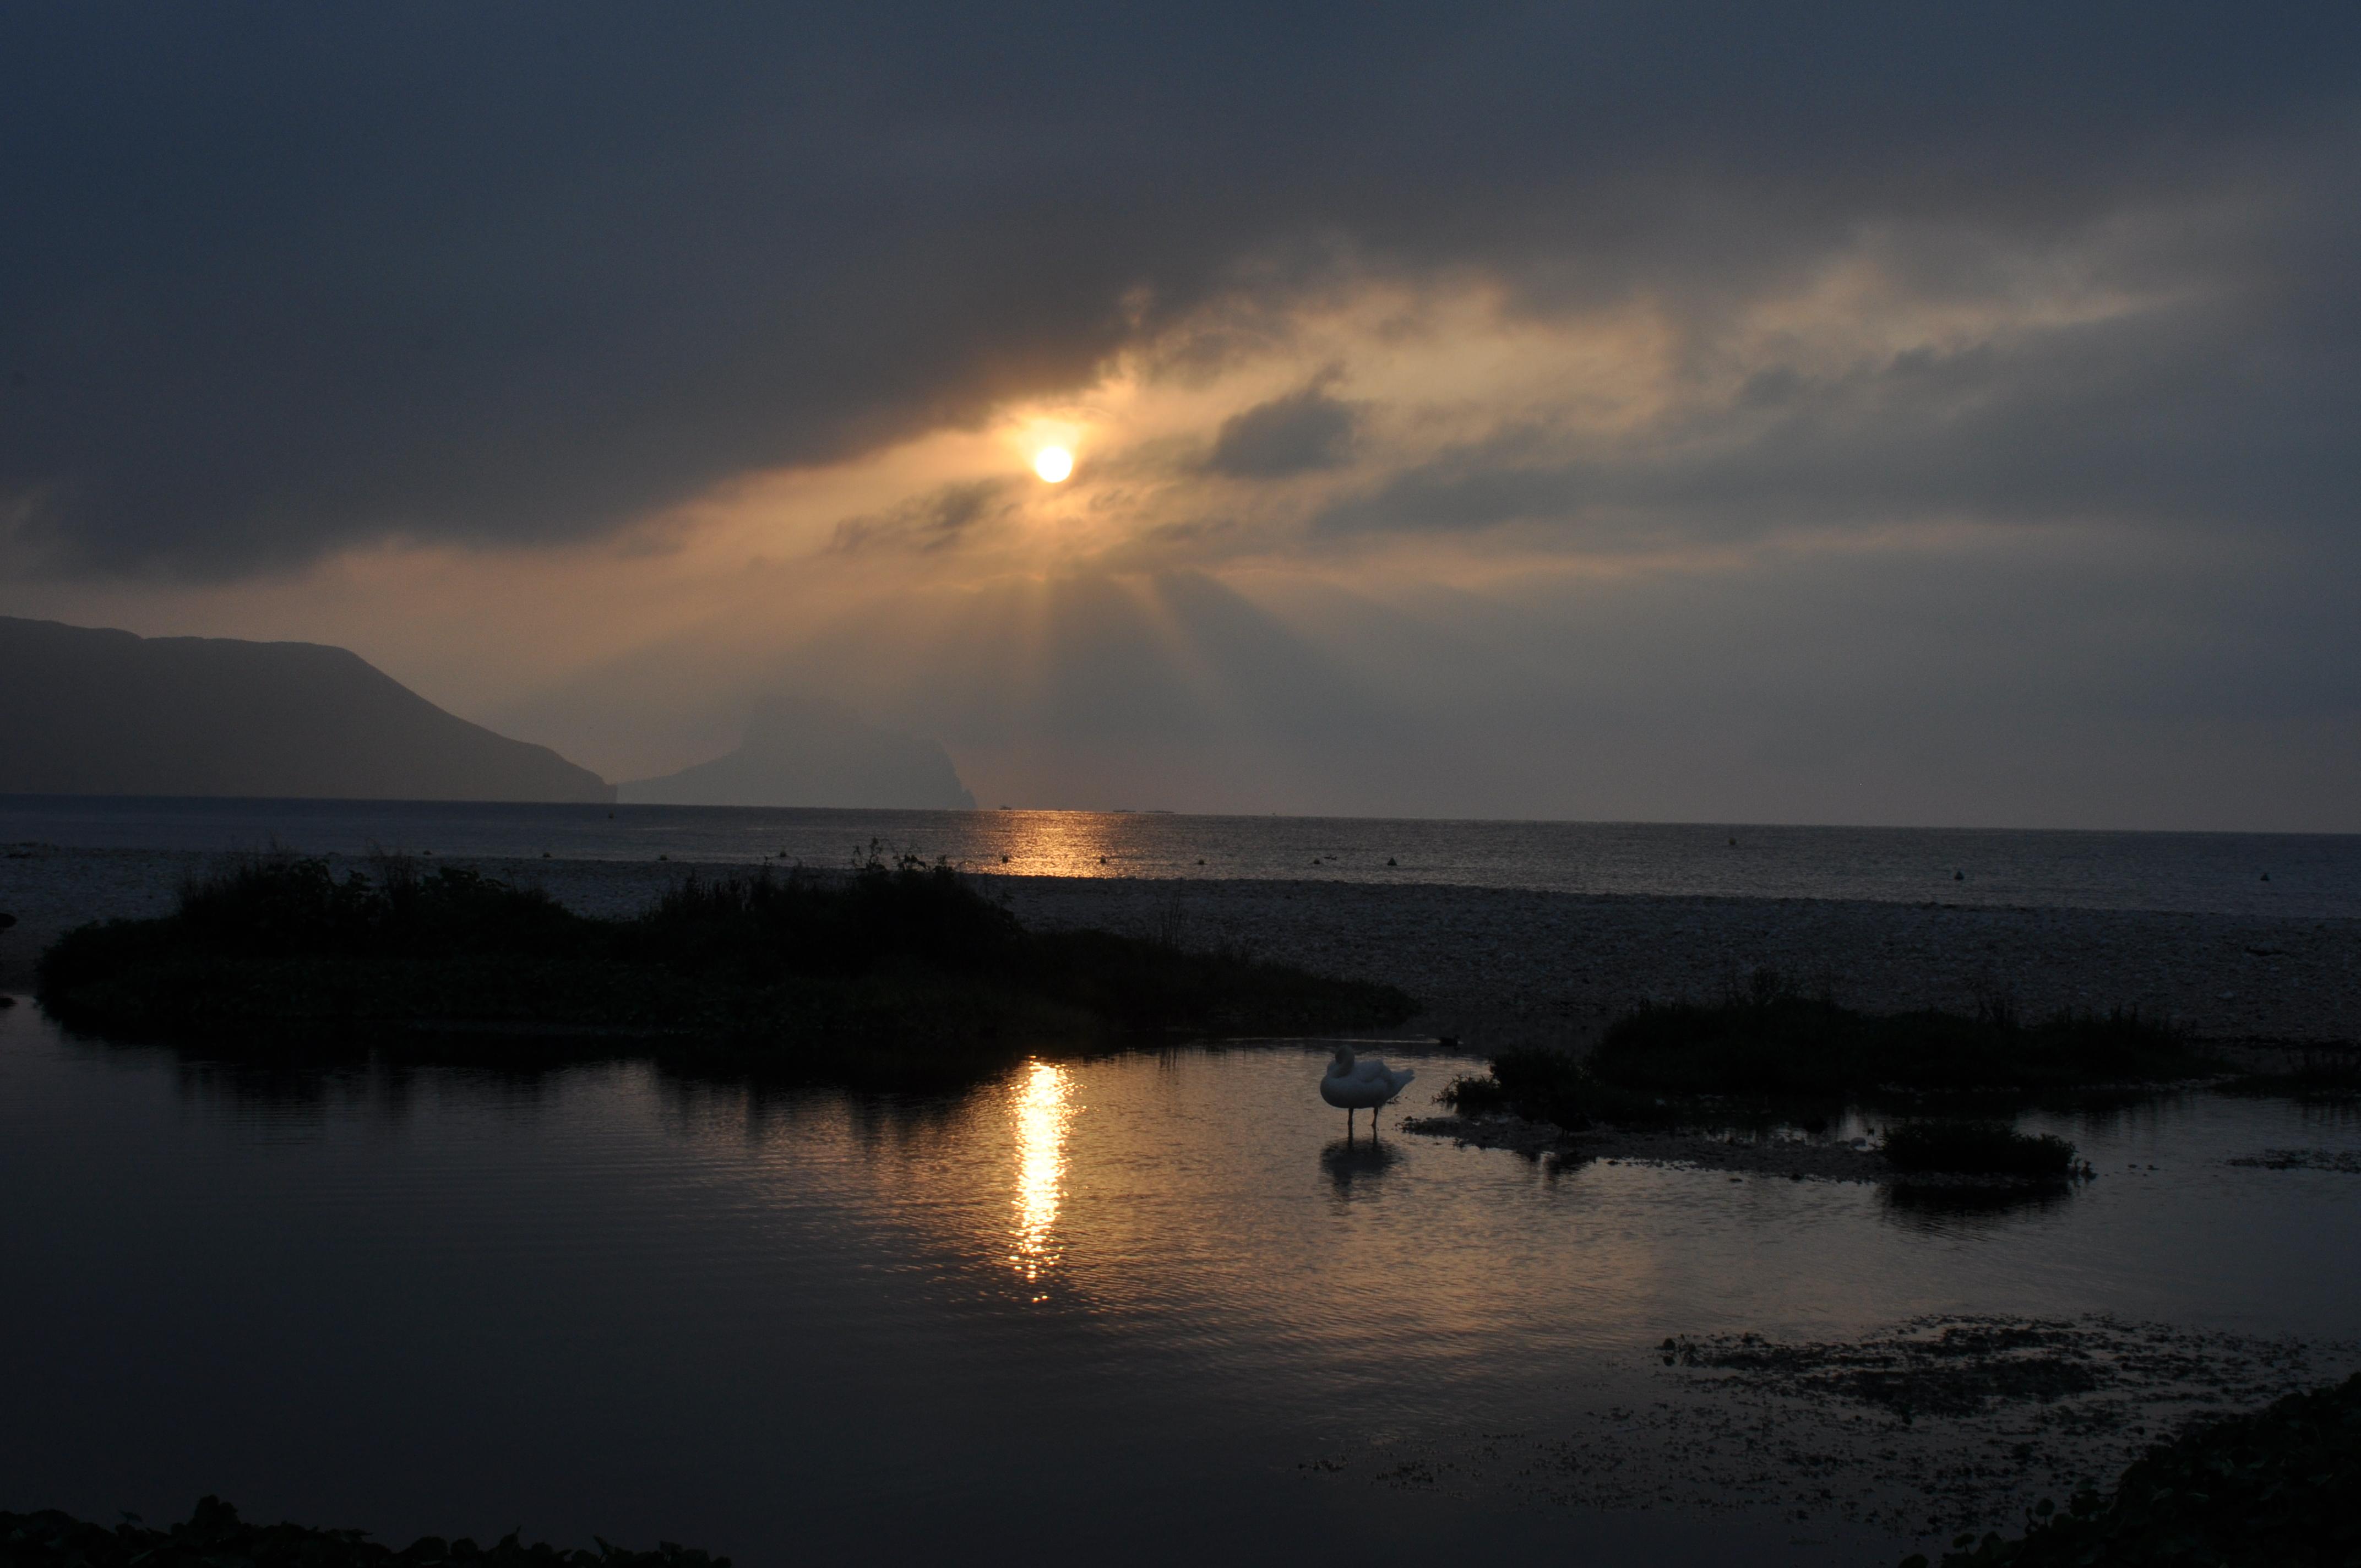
2306, 875
1145, 1308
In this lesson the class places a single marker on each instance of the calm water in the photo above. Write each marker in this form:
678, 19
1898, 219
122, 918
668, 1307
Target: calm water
1146, 1308
2309, 875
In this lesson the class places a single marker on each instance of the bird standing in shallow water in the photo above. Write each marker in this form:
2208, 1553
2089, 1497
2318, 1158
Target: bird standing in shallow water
1352, 1085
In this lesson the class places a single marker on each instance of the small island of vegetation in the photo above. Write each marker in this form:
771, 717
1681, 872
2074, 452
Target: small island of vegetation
891, 970
1773, 1045
1770, 1053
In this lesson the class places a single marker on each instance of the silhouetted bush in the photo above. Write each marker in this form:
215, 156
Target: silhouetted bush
1553, 1086
894, 968
1977, 1148
214, 1537
764, 927
2273, 1489
1774, 1041
1771, 1046
1788, 1044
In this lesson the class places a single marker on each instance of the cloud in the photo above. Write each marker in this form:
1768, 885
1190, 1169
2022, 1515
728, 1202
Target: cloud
1857, 413
2217, 410
296, 281
945, 517
1301, 432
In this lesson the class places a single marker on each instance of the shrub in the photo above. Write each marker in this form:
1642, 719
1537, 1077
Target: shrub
1774, 1041
764, 927
895, 964
1552, 1086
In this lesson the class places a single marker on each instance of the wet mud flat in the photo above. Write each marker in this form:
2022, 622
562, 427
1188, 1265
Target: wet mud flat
1914, 1431
2344, 1161
1938, 1424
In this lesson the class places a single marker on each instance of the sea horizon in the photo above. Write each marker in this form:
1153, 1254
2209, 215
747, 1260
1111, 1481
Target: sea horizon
2185, 871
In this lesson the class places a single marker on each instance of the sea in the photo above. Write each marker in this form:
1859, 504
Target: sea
1148, 1306
2295, 875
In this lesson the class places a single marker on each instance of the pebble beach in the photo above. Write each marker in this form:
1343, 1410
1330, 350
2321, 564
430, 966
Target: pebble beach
1501, 966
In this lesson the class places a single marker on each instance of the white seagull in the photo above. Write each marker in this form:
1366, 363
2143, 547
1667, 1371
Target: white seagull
1352, 1086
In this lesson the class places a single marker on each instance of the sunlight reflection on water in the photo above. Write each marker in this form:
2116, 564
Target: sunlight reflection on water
1078, 1299
1041, 1105
1063, 843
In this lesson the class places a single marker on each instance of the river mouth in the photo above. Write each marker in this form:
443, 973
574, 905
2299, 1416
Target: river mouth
1149, 1304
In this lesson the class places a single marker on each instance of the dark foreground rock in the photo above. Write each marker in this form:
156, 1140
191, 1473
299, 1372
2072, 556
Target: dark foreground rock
2273, 1489
214, 1537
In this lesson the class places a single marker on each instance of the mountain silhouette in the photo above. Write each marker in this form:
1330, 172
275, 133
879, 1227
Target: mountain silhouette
86, 711
802, 751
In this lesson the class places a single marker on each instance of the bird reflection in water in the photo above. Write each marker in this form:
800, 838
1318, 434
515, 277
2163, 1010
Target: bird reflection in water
1347, 1160
1042, 1106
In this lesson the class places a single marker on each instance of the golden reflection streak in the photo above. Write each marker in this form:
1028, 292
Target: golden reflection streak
1061, 843
1043, 1106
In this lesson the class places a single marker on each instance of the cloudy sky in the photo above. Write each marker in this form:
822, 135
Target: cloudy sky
1677, 411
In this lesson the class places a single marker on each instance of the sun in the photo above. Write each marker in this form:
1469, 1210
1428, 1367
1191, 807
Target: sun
1053, 462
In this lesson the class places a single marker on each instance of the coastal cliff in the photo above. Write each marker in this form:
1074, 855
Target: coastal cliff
87, 711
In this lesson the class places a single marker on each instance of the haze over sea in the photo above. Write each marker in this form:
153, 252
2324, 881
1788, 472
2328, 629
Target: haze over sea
2304, 876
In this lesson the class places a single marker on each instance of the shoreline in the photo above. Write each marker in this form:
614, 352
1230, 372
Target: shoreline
1795, 1160
1691, 1148
1502, 967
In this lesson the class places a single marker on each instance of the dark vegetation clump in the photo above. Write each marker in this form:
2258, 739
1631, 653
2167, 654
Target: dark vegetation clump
2273, 1489
1772, 1045
214, 1537
1774, 1041
1542, 1085
1977, 1148
893, 969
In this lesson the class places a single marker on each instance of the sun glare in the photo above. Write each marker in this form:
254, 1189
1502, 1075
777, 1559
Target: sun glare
1053, 462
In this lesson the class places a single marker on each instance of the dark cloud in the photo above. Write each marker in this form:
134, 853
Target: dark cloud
942, 518
285, 278
2225, 412
1299, 433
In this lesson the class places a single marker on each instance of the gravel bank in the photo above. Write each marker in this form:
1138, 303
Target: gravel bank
1501, 966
